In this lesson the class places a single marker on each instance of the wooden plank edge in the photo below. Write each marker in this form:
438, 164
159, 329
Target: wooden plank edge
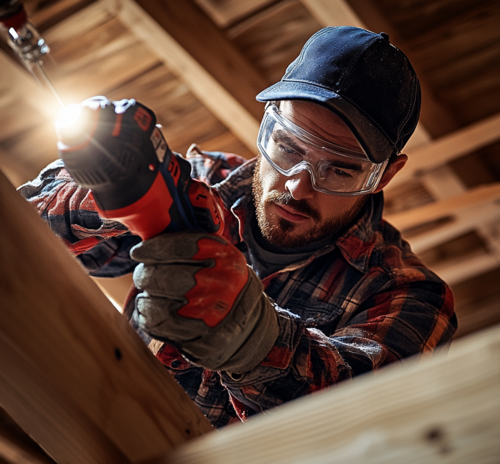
440, 408
73, 373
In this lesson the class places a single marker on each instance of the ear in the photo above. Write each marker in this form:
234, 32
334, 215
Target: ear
390, 171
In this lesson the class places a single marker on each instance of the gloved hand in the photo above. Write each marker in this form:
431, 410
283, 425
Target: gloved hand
199, 295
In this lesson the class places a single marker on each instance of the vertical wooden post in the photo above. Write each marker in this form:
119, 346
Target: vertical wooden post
73, 373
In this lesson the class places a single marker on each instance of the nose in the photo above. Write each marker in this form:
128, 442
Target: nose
300, 186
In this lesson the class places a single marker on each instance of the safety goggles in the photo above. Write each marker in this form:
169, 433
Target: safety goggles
334, 170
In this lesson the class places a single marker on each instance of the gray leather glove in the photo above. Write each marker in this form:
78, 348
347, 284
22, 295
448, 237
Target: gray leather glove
199, 295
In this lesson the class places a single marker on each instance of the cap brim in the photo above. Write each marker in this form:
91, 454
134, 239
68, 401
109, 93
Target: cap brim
376, 144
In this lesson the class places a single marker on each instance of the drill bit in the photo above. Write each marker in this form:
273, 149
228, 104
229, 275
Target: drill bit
26, 41
40, 74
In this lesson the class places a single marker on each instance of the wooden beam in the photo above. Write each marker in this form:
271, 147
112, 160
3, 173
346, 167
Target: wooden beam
333, 13
443, 183
466, 266
73, 373
210, 66
227, 12
116, 288
340, 13
446, 208
200, 37
16, 447
460, 223
434, 116
23, 100
421, 411
445, 149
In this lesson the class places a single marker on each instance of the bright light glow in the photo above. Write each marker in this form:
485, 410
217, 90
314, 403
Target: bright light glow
68, 116
13, 33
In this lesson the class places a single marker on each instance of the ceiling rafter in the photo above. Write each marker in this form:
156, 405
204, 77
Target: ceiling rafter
219, 76
437, 152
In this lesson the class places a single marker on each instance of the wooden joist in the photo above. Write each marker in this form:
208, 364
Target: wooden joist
73, 373
333, 13
460, 222
449, 147
340, 13
149, 20
465, 266
116, 288
445, 208
23, 101
441, 409
16, 447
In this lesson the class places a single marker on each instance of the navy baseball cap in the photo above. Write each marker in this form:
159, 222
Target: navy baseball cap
359, 75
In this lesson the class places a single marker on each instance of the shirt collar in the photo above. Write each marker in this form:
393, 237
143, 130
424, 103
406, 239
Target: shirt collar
356, 244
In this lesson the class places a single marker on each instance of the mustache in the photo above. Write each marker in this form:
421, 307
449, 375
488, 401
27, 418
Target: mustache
301, 206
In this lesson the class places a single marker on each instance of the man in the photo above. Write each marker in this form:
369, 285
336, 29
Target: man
343, 294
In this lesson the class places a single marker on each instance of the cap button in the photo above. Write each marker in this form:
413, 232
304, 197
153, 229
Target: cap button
384, 35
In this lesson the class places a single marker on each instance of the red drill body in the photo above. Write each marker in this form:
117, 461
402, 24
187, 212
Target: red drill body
116, 150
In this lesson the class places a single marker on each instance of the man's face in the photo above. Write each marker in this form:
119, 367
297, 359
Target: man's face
290, 213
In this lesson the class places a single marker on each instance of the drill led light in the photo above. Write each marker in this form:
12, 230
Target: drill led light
72, 124
68, 116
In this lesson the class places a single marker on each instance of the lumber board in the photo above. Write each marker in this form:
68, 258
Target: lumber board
78, 24
116, 288
22, 99
449, 147
470, 199
460, 223
98, 60
266, 38
333, 13
73, 373
466, 266
232, 112
226, 12
437, 409
340, 13
16, 447
436, 119
192, 28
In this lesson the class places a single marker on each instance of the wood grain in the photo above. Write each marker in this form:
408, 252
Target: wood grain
230, 110
73, 373
438, 152
445, 208
433, 410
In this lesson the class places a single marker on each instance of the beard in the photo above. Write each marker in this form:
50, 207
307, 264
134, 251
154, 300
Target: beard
279, 231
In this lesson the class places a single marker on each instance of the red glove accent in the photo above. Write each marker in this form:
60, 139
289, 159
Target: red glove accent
225, 281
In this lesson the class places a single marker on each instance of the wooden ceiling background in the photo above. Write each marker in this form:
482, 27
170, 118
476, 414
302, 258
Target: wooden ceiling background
199, 64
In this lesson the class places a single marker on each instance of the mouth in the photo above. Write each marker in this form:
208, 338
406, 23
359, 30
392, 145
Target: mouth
290, 214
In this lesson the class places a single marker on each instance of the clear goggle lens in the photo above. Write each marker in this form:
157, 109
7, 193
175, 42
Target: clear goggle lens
334, 170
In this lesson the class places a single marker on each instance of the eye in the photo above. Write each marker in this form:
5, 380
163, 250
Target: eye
286, 149
333, 171
288, 153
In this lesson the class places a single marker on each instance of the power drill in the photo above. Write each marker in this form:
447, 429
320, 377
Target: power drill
116, 149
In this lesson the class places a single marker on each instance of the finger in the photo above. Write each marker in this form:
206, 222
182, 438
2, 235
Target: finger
166, 280
171, 247
158, 318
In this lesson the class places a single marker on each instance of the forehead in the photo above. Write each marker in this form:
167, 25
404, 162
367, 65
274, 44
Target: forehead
319, 121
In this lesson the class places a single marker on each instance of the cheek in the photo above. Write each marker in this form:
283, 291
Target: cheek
335, 206
270, 178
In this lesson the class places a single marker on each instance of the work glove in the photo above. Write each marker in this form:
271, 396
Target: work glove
199, 295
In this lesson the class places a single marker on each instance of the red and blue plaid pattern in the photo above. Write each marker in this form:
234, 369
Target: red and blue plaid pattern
358, 304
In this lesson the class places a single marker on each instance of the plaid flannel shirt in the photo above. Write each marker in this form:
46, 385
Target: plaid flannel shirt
358, 304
